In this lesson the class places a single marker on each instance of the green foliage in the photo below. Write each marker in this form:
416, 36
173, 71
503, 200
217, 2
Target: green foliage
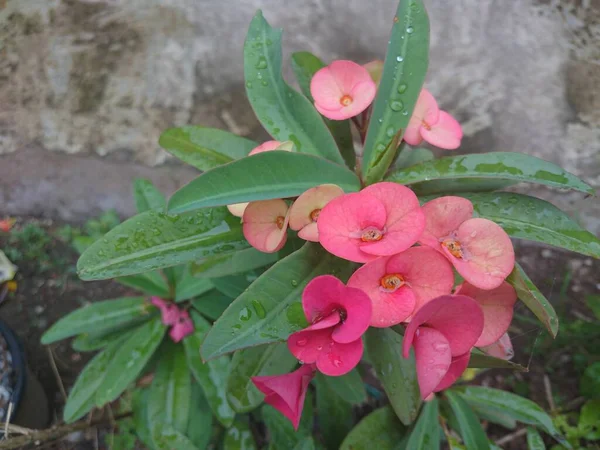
381, 429
30, 243
334, 413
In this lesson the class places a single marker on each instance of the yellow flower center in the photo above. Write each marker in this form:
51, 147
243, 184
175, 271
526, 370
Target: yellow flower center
392, 281
279, 222
346, 100
371, 235
314, 215
453, 247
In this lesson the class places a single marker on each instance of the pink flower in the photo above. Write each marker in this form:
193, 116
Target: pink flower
286, 393
442, 333
502, 348
342, 90
306, 209
429, 123
497, 305
403, 283
479, 249
168, 310
182, 328
339, 315
381, 220
265, 224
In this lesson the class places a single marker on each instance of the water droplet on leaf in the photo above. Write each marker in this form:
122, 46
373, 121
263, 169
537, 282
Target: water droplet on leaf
396, 105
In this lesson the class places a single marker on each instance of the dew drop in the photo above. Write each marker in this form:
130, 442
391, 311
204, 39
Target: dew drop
399, 58
302, 342
337, 362
245, 315
390, 132
259, 309
320, 347
294, 283
440, 347
264, 83
262, 62
410, 30
249, 84
402, 88
396, 105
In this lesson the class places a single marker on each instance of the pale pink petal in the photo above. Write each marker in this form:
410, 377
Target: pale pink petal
426, 109
261, 227
497, 305
307, 345
309, 232
237, 209
338, 359
389, 308
488, 254
457, 317
341, 223
412, 134
265, 147
405, 220
349, 74
358, 309
375, 69
325, 90
307, 207
457, 367
333, 114
502, 348
432, 357
446, 133
362, 96
443, 216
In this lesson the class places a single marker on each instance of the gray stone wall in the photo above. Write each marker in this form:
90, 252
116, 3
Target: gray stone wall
102, 78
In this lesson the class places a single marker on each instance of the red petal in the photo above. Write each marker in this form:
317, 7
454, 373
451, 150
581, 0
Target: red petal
457, 368
339, 359
433, 357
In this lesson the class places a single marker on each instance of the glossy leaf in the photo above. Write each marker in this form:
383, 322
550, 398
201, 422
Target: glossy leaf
146, 196
199, 429
166, 437
469, 426
188, 286
205, 148
233, 263
497, 165
273, 359
426, 434
153, 240
170, 393
495, 417
99, 317
211, 375
349, 387
305, 65
397, 375
129, 360
403, 75
285, 113
334, 413
151, 283
270, 309
534, 440
212, 304
233, 285
281, 431
457, 186
267, 175
408, 156
529, 294
380, 430
481, 361
239, 437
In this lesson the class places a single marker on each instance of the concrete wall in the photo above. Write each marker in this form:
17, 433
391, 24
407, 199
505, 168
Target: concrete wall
102, 78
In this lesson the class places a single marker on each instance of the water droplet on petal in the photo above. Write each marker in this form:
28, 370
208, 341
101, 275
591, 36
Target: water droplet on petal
337, 362
301, 342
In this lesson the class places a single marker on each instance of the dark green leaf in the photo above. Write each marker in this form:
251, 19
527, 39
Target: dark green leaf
99, 317
397, 375
166, 437
534, 440
169, 397
495, 417
153, 240
589, 384
589, 420
270, 309
403, 75
469, 426
239, 437
233, 263
593, 302
205, 148
482, 361
212, 375
95, 341
212, 304
199, 429
499, 165
306, 443
282, 435
140, 417
286, 114
268, 175
410, 156
188, 286
426, 434
459, 185
129, 360
335, 414
233, 285
273, 359
151, 283
305, 65
146, 196
529, 294
380, 430
349, 387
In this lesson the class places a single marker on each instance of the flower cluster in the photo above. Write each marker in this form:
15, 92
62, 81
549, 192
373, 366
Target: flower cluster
409, 254
178, 319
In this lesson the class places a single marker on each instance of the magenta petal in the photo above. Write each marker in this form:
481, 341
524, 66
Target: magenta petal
433, 358
339, 359
358, 309
307, 345
328, 321
320, 296
457, 368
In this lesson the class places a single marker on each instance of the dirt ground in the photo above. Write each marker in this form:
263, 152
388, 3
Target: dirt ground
47, 292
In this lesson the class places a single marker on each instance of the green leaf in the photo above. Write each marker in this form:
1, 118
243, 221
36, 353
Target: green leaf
153, 240
270, 309
589, 384
205, 148
212, 375
380, 430
534, 440
403, 75
239, 437
593, 302
349, 387
305, 65
169, 397
482, 361
188, 286
335, 414
469, 426
233, 285
459, 185
146, 196
499, 165
212, 304
426, 434
273, 359
151, 283
517, 407
282, 435
268, 175
96, 341
140, 417
410, 156
286, 114
529, 294
525, 217
166, 437
589, 419
495, 417
305, 444
99, 317
397, 374
199, 429
129, 360
233, 263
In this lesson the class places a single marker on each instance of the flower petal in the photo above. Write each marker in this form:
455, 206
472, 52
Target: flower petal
325, 90
358, 308
320, 297
312, 200
446, 133
497, 305
237, 209
260, 224
339, 359
309, 233
265, 147
307, 345
349, 74
443, 216
426, 108
457, 367
433, 358
502, 348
